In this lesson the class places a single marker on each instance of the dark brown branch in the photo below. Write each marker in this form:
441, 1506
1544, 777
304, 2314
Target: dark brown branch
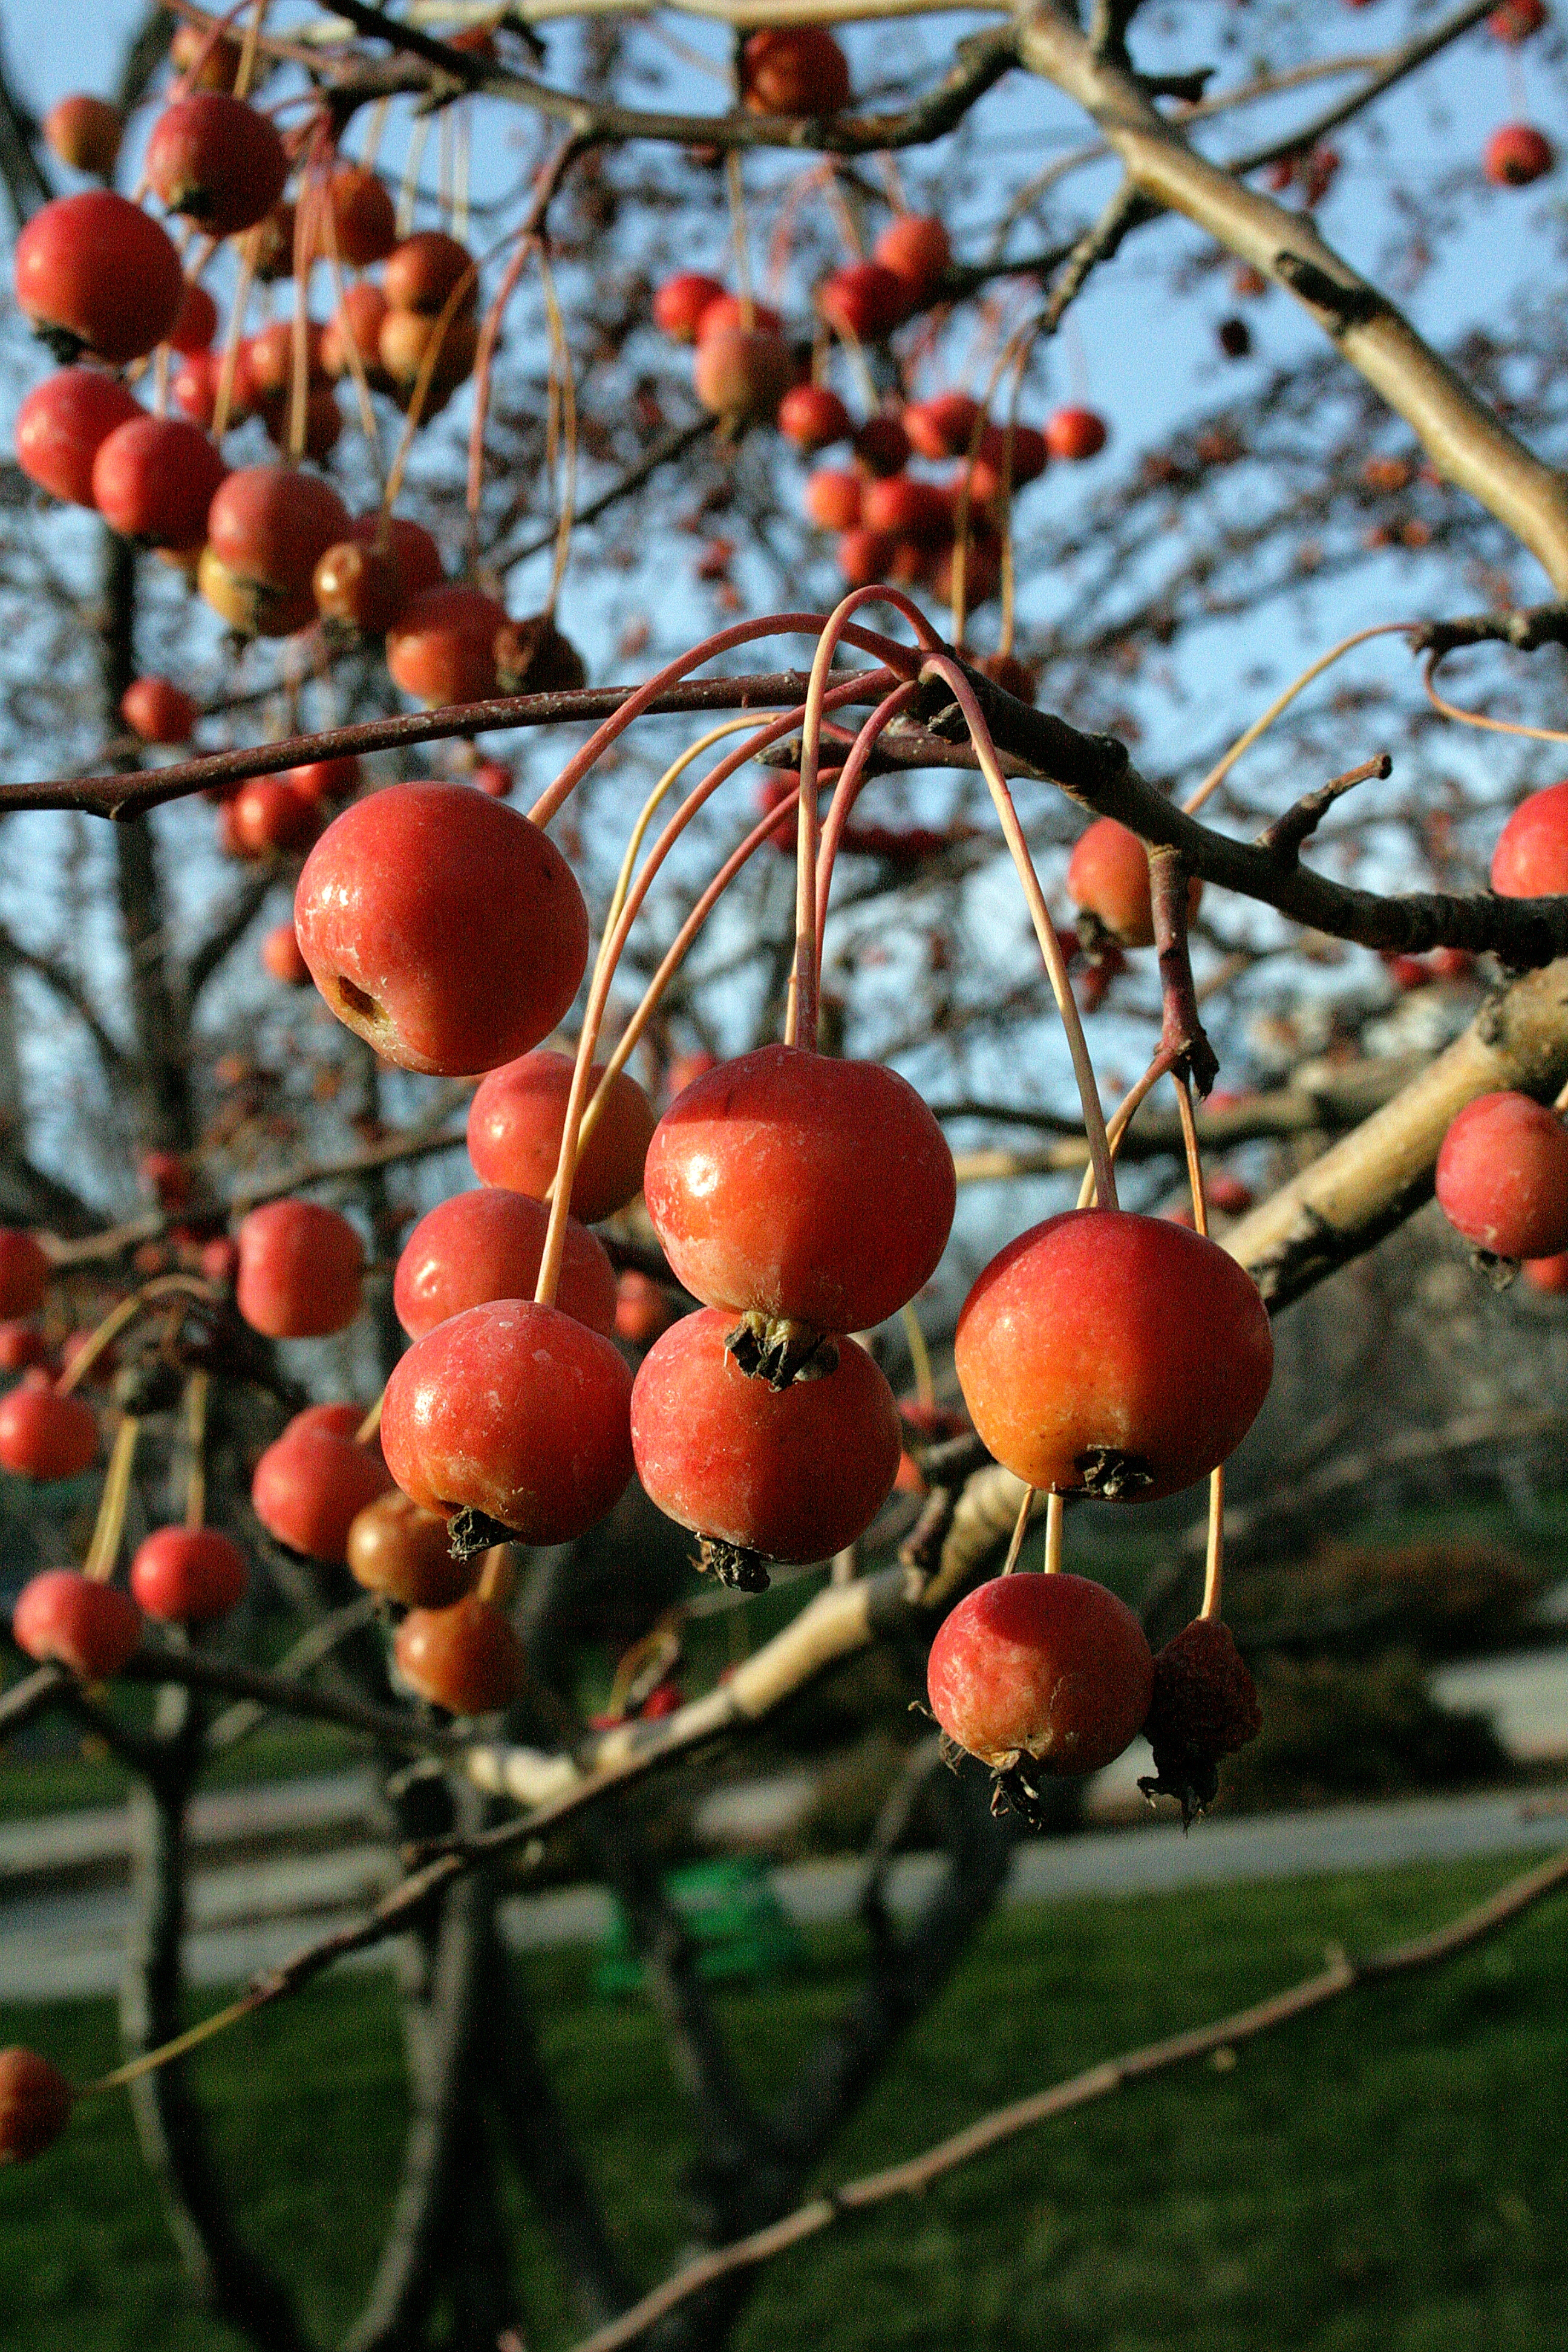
1284, 837
669, 446
284, 1695
1532, 625
1182, 1041
1397, 67
63, 982
228, 930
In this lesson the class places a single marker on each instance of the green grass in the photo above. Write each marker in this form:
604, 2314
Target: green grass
76, 1780
1390, 2175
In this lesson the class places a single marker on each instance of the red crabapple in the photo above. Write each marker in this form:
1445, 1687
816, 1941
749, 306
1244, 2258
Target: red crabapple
43, 1435
643, 1309
91, 1627
300, 1270
218, 160
1204, 1706
679, 304
281, 956
311, 1482
832, 499
95, 273
25, 1272
398, 1549
441, 648
488, 1244
1517, 154
1548, 1275
63, 423
159, 711
1530, 860
426, 269
1502, 1177
22, 1346
196, 324
794, 70
864, 301
1054, 1668
943, 428
515, 1122
466, 1658
268, 528
364, 219
85, 132
1076, 433
1107, 876
916, 248
742, 375
187, 1576
813, 418
36, 2101
155, 478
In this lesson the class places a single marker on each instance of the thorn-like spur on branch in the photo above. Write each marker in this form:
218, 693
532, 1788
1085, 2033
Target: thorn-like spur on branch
1284, 837
1128, 209
1343, 1974
1181, 1034
1532, 625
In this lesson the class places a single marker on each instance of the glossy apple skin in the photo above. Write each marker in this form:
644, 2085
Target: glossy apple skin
398, 1549
89, 1627
443, 926
270, 525
36, 2102
310, 1485
488, 1244
516, 1410
1054, 1667
1107, 874
801, 1186
466, 1658
794, 1475
1100, 1329
187, 1576
217, 160
514, 1134
679, 302
43, 1435
63, 423
1530, 860
154, 479
300, 1270
101, 273
1502, 1177
441, 648
25, 1272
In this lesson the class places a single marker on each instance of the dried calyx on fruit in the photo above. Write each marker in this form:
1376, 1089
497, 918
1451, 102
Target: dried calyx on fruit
1204, 1707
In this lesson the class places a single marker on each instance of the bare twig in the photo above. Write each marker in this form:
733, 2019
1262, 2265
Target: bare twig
1284, 837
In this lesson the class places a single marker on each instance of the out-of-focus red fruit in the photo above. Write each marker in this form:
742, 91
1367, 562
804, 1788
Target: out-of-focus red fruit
187, 1576
1548, 1275
916, 248
743, 377
85, 132
1055, 1668
154, 479
1010, 457
408, 338
393, 902
36, 2102
494, 777
196, 324
300, 1270
865, 556
679, 304
269, 814
218, 160
1516, 155
364, 219
104, 1365
210, 61
1407, 971
195, 387
355, 326
1076, 433
1107, 875
832, 499
423, 272
930, 1424
515, 1411
1530, 860
684, 1070
281, 956
488, 1244
25, 1272
167, 1176
332, 781
902, 507
410, 545
269, 356
324, 422
310, 1484
813, 417
466, 1658
728, 312
268, 527
981, 569
943, 428
864, 301
91, 1627
533, 655
43, 1435
22, 1344
1502, 1177
398, 1549
442, 647
62, 425
158, 711
272, 245
1014, 677
1228, 1193
796, 69
881, 444
95, 273
359, 586
220, 1260
1516, 20
1452, 963
643, 1309
514, 1134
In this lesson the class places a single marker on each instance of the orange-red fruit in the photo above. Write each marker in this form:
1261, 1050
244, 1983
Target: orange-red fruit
85, 133
311, 1482
1530, 860
813, 417
271, 813
794, 70
1516, 20
743, 377
281, 956
415, 553
34, 2104
95, 273
1052, 1668
797, 1185
25, 1272
1013, 676
268, 528
863, 301
354, 326
364, 219
903, 507
488, 1244
643, 1309
358, 585
218, 160
91, 1627
1502, 1177
793, 1474
943, 428
514, 1134
1114, 1354
728, 312
515, 1411
1076, 433
43, 1435
154, 479
916, 248
196, 324
211, 60
399, 1550
1516, 155
1547, 1274
494, 777
832, 499
466, 1658
404, 345
187, 1576
679, 304
158, 711
300, 1270
423, 272
63, 423
443, 926
22, 1344
442, 646
1107, 875
865, 556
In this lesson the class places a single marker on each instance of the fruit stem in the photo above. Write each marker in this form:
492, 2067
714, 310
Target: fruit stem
920, 1356
737, 197
562, 386
851, 777
1214, 1569
369, 423
250, 249
1261, 726
1055, 1516
371, 1424
198, 1388
484, 358
1122, 1120
1476, 717
135, 2068
1183, 1085
1016, 1545
498, 1577
124, 1311
104, 1548
429, 361
944, 667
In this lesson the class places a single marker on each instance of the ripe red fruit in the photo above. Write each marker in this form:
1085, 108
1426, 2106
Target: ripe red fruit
25, 1272
187, 1576
1107, 875
792, 1474
514, 1134
881, 444
1055, 1668
1113, 1354
981, 569
22, 1344
219, 1261
63, 423
813, 417
943, 428
85, 133
494, 777
311, 1482
1502, 1177
488, 1244
399, 1550
1516, 20
300, 1270
36, 2102
196, 324
268, 527
1530, 860
218, 160
832, 499
442, 646
410, 545
423, 272
728, 312
466, 1658
794, 70
865, 556
643, 1309
281, 956
1548, 1275
269, 357
95, 273
358, 585
212, 61
1516, 154
1076, 433
902, 507
364, 219
89, 1627
406, 338
326, 779
515, 1411
743, 377
916, 248
796, 1185
443, 926
679, 303
270, 814
195, 387
355, 326
154, 479
1013, 676
158, 711
864, 301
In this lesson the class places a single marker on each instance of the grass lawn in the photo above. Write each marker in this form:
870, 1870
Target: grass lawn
1392, 2174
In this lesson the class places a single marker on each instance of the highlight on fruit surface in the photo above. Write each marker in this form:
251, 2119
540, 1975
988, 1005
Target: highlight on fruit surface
1502, 1177
515, 1124
488, 1244
78, 1621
